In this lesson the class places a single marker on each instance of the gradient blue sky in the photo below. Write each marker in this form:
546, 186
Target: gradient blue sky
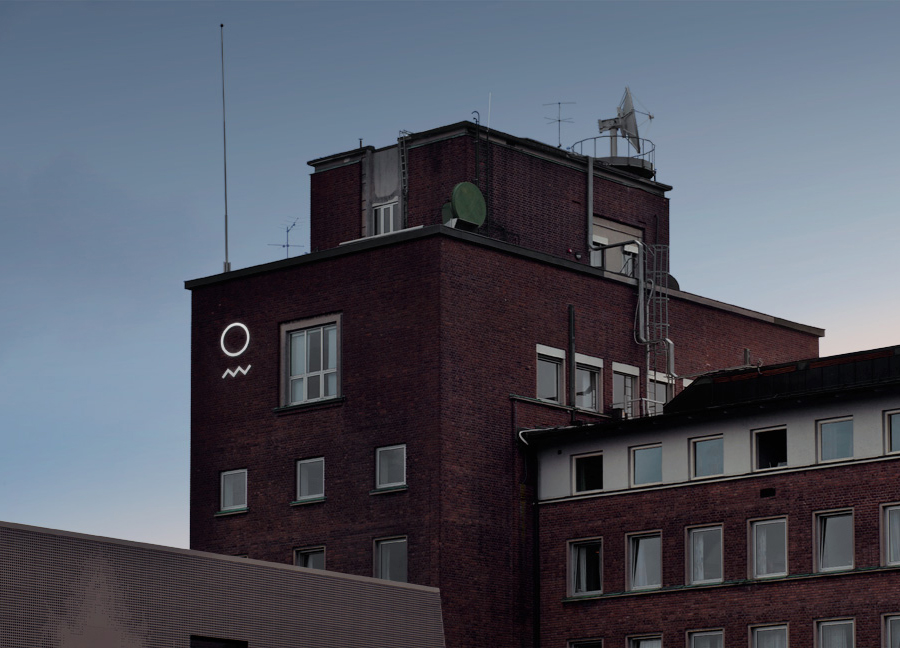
775, 122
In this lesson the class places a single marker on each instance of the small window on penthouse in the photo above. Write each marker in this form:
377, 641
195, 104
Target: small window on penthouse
646, 465
386, 218
836, 439
587, 472
708, 456
892, 431
771, 448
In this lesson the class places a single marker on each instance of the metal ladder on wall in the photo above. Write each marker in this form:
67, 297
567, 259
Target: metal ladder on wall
656, 272
403, 148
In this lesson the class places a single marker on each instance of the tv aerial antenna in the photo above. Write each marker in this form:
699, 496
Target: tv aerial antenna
559, 120
287, 239
626, 121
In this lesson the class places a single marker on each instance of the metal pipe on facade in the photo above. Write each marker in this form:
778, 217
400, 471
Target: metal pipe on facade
572, 368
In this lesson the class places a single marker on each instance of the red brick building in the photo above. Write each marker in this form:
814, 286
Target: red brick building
357, 408
762, 509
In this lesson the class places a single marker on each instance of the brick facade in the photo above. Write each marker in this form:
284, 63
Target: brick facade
438, 329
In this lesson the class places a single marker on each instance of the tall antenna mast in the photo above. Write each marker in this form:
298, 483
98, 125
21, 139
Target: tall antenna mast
287, 239
558, 120
227, 264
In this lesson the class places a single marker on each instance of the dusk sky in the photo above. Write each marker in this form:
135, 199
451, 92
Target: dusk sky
776, 123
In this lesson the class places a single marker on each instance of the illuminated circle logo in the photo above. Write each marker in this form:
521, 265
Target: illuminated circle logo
246, 340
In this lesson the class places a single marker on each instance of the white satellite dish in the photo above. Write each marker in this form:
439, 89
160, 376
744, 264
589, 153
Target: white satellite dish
626, 121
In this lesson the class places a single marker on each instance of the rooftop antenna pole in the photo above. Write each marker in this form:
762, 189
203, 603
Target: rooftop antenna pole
559, 119
287, 239
227, 264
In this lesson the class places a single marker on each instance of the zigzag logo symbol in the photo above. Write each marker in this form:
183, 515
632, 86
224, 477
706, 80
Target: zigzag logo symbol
234, 372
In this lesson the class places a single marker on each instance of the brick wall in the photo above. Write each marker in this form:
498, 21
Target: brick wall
799, 600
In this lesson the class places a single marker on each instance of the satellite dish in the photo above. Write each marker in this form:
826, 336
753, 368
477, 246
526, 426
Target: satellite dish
629, 123
467, 206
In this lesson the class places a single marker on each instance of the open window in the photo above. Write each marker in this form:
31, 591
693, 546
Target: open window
550, 372
771, 448
586, 567
587, 473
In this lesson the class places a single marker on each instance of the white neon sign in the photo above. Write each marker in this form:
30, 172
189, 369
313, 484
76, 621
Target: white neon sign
246, 341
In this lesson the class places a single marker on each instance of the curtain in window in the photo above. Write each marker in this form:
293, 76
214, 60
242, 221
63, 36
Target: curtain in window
894, 631
761, 551
647, 643
771, 638
699, 556
646, 566
836, 635
580, 568
894, 536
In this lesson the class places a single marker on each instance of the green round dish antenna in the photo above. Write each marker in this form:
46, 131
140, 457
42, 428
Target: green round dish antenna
467, 205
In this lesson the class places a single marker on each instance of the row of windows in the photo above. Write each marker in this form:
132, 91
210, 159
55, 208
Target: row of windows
707, 454
589, 381
833, 551
389, 558
830, 633
390, 473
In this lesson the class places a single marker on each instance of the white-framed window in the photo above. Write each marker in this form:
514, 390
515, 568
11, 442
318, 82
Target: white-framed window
310, 557
659, 392
550, 382
769, 548
386, 218
625, 388
705, 556
834, 540
835, 634
708, 456
648, 641
646, 465
588, 383
586, 567
645, 561
892, 432
390, 466
835, 439
310, 479
311, 351
892, 631
233, 490
775, 636
390, 559
770, 448
587, 472
706, 639
891, 526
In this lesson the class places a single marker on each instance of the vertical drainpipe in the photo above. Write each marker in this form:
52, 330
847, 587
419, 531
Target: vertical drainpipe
572, 387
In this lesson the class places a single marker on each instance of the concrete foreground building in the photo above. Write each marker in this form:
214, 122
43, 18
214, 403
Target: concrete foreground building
69, 590
359, 408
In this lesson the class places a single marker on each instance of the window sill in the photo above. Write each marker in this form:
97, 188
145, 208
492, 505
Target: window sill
311, 500
389, 489
231, 512
324, 402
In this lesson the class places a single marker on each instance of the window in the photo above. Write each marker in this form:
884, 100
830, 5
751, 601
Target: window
588, 382
708, 456
390, 559
705, 555
836, 634
629, 260
892, 632
659, 392
586, 566
835, 540
310, 479
589, 643
550, 373
597, 255
233, 490
622, 258
769, 637
312, 360
386, 218
835, 440
210, 642
645, 555
769, 548
892, 431
587, 472
771, 448
712, 639
390, 466
645, 642
646, 464
625, 392
312, 558
892, 536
